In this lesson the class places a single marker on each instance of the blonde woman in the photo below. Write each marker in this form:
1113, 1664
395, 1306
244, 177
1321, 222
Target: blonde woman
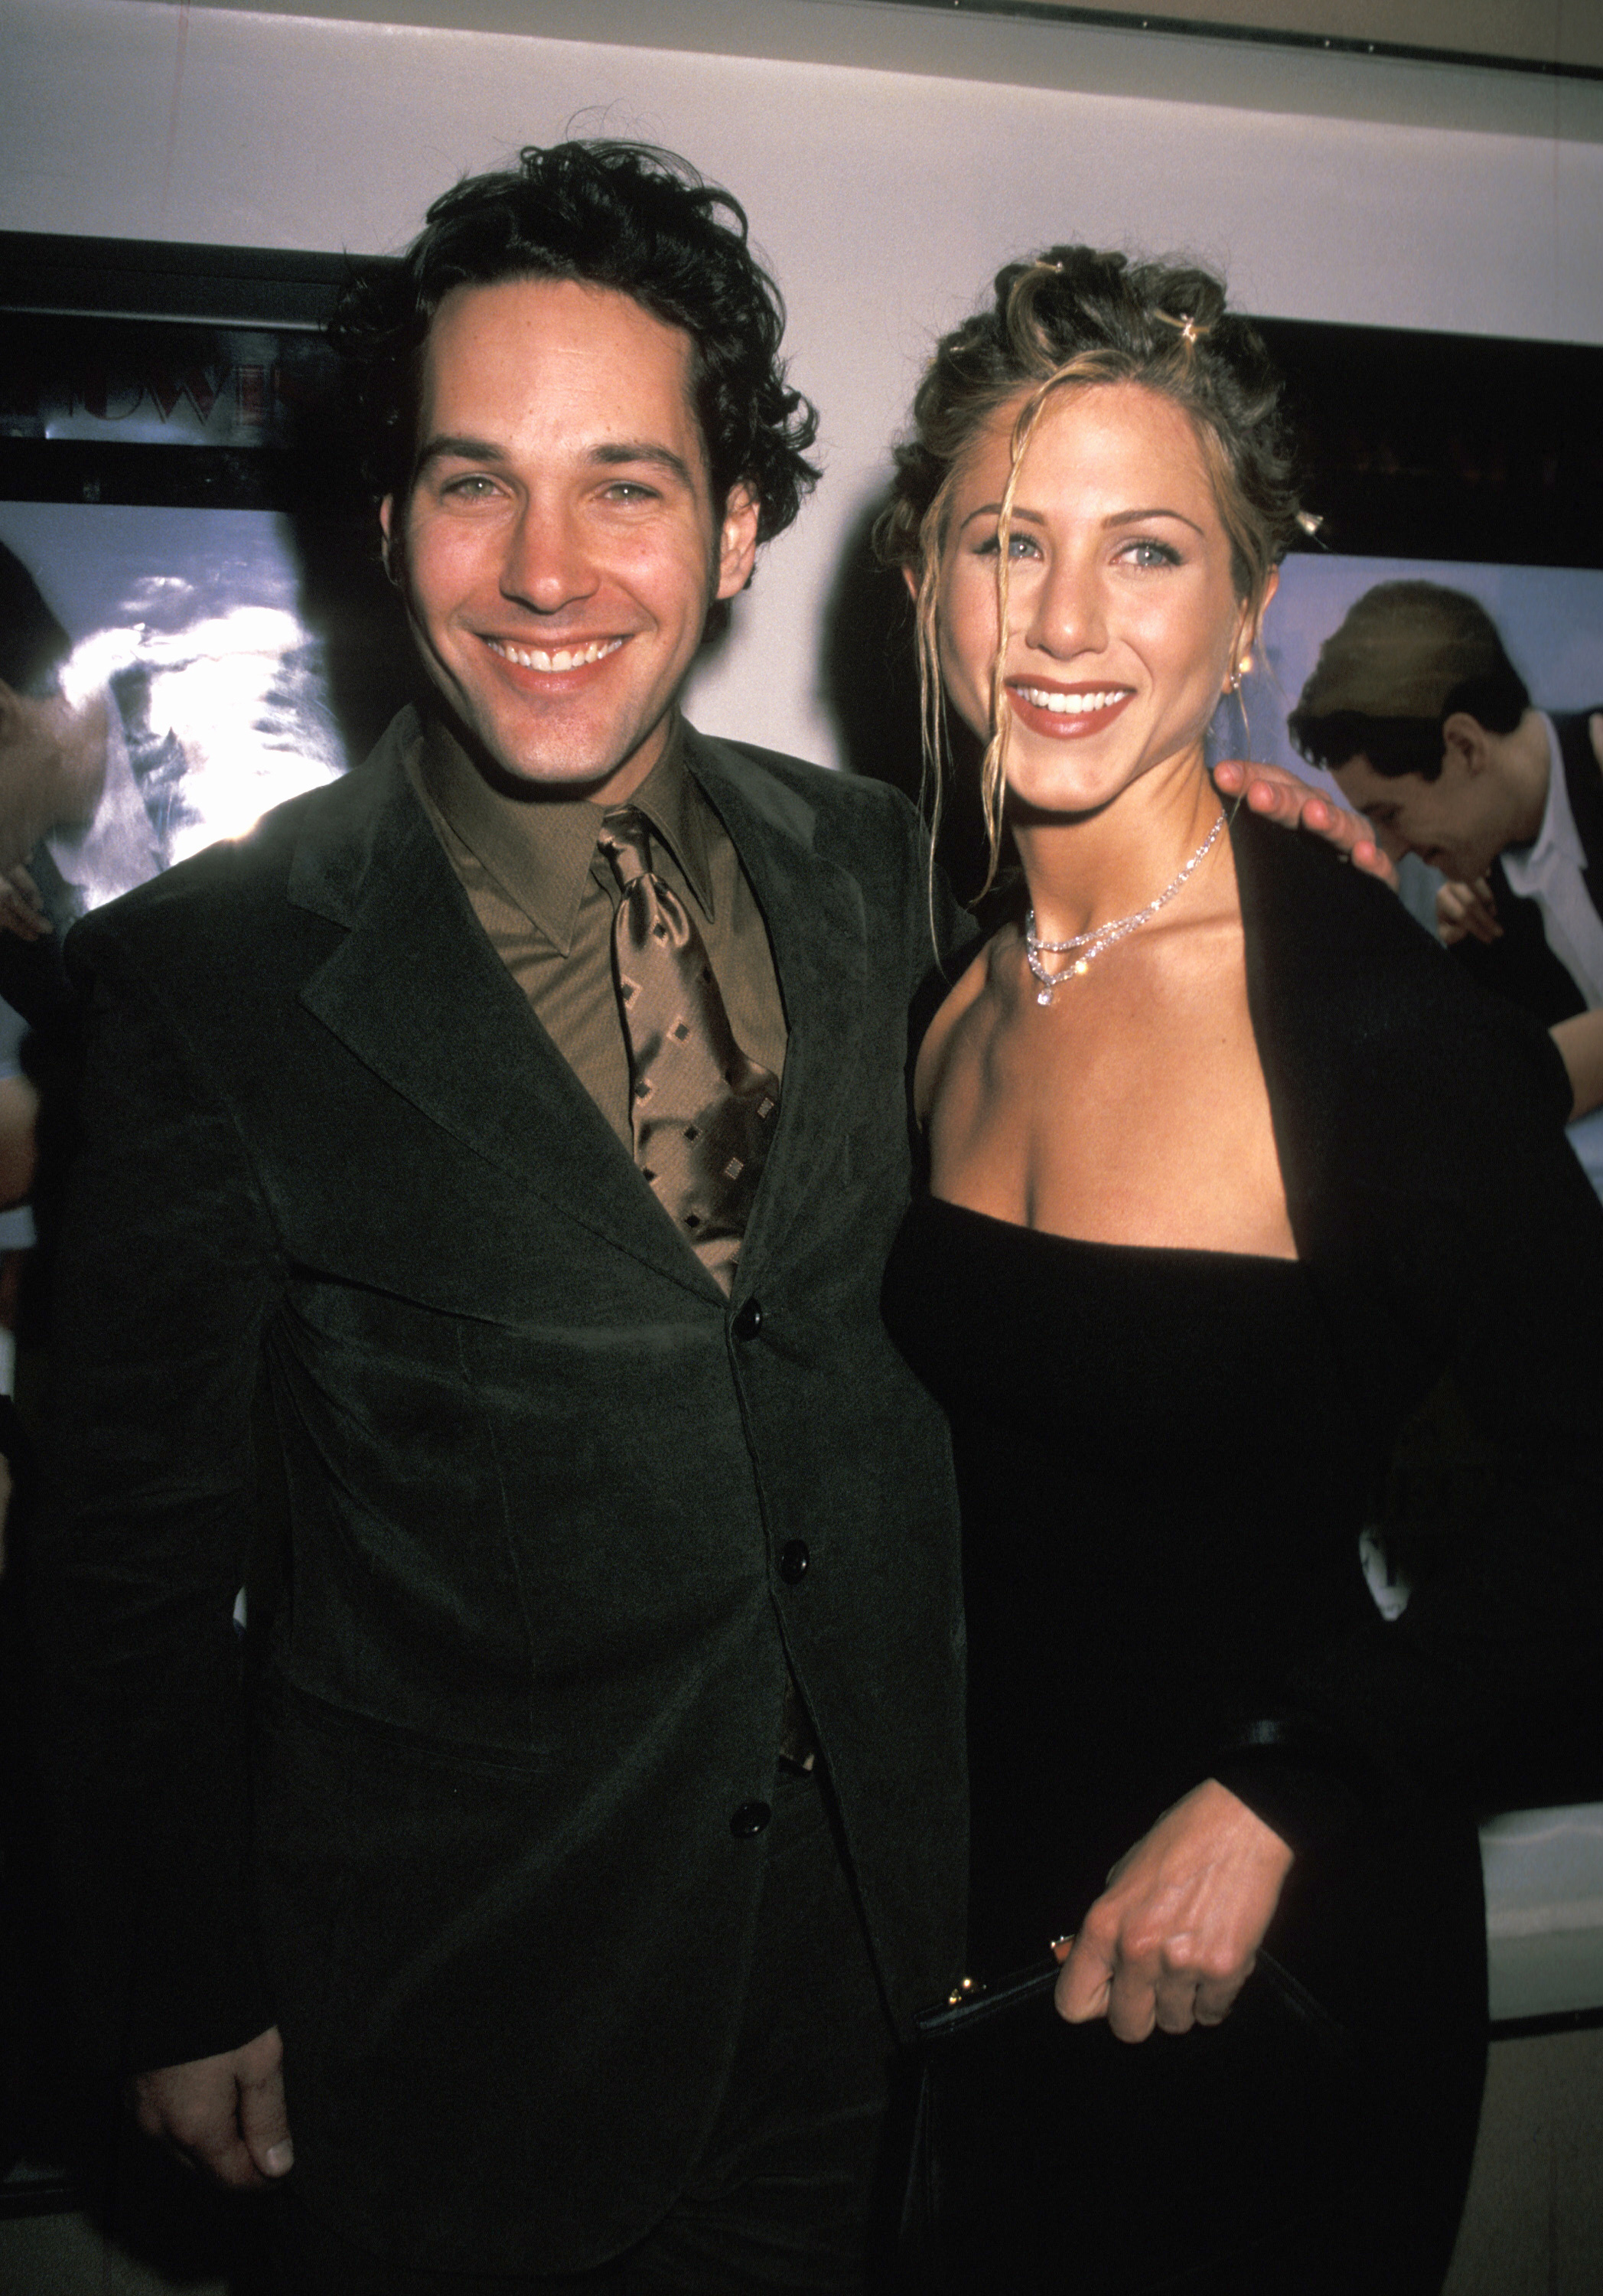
1211, 1115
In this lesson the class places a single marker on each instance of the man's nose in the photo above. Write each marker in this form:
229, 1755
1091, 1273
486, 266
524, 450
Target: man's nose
547, 565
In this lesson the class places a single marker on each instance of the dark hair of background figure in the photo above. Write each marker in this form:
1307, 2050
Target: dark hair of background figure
33, 644
1493, 693
621, 215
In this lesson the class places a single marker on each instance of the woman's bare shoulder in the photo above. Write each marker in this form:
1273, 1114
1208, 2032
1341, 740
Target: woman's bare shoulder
941, 1038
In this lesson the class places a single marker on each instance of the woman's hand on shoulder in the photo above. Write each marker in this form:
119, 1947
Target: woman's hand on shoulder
1294, 803
1174, 1936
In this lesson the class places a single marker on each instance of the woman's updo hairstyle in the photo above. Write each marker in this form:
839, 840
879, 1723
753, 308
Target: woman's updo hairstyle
1077, 315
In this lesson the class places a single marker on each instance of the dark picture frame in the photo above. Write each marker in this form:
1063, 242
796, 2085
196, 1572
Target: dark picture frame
143, 371
1478, 447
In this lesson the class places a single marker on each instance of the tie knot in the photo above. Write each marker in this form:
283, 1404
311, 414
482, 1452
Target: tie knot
626, 842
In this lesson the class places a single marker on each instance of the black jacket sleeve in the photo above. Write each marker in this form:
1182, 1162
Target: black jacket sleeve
166, 1273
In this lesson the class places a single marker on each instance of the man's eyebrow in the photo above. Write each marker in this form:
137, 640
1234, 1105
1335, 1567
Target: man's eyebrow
612, 455
447, 448
616, 454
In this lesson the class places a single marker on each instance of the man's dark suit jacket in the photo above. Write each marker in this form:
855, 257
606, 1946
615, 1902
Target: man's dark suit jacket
1521, 965
529, 1658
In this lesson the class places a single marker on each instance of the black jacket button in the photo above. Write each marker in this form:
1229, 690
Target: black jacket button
750, 1818
794, 1560
748, 1320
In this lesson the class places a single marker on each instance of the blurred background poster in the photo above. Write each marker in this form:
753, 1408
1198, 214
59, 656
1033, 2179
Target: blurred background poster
194, 627
1550, 619
190, 621
182, 518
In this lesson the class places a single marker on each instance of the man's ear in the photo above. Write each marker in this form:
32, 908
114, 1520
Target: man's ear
390, 543
1466, 743
737, 540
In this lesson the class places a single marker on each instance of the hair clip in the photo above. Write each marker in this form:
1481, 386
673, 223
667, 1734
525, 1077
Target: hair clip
1186, 327
1309, 520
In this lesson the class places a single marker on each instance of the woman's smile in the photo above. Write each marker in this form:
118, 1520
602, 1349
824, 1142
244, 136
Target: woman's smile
1066, 713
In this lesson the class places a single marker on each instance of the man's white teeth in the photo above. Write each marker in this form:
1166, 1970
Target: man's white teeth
563, 657
1070, 705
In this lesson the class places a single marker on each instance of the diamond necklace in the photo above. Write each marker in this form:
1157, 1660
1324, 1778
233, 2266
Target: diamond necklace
1086, 946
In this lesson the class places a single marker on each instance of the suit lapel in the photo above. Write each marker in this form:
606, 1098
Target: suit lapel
416, 993
813, 911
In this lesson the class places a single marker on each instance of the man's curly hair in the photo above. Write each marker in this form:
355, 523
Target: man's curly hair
608, 214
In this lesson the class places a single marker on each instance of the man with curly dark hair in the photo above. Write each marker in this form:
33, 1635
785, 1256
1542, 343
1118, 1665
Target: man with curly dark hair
599, 1820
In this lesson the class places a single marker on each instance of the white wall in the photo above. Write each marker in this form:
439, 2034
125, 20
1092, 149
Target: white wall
883, 202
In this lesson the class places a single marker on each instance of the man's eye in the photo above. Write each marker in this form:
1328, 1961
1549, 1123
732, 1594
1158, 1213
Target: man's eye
472, 486
630, 490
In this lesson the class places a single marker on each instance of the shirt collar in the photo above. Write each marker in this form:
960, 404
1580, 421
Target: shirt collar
539, 849
1558, 836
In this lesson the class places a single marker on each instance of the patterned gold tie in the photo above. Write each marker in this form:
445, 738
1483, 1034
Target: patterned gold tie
702, 1113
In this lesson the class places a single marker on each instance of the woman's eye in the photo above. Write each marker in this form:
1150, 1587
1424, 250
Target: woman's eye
1020, 546
1145, 552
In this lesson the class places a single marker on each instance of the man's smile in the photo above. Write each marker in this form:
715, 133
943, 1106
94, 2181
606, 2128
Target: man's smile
556, 659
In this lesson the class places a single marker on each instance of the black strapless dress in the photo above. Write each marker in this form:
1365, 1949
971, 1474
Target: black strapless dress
1161, 1514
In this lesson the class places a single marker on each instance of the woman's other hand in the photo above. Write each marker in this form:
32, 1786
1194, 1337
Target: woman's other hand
1467, 910
1296, 804
1174, 1937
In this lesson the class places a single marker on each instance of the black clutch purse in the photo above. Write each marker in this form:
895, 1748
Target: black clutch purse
1048, 2157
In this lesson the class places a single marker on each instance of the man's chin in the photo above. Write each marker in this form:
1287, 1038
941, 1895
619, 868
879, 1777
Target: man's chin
518, 769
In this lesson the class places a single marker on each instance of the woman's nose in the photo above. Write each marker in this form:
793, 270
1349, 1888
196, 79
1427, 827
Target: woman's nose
1067, 615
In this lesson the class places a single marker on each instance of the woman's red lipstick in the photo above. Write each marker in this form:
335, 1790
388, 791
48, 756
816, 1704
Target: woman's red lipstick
1079, 710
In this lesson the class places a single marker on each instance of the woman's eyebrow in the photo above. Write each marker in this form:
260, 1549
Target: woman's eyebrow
1157, 509
1021, 515
993, 510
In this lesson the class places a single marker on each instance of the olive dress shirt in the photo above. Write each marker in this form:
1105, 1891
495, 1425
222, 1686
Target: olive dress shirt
546, 895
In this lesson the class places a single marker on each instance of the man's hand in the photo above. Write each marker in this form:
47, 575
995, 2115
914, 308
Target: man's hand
1281, 796
22, 909
225, 2115
1172, 1938
1464, 910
